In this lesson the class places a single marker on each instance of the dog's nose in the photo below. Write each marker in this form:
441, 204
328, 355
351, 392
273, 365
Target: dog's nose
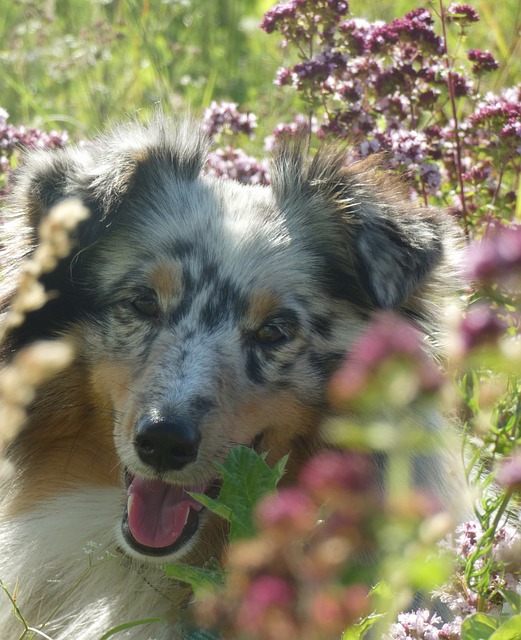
168, 444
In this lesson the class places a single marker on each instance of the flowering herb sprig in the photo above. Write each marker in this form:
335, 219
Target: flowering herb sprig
13, 139
396, 88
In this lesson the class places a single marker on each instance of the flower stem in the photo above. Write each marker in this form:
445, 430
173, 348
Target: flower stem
455, 119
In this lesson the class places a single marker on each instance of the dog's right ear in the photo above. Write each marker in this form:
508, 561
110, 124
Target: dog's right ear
85, 173
46, 178
102, 173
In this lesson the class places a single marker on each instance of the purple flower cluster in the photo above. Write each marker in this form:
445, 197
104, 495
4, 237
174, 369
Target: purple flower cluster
496, 257
498, 120
391, 88
458, 595
509, 473
225, 117
505, 568
480, 325
462, 14
300, 126
302, 20
483, 61
13, 139
423, 625
235, 164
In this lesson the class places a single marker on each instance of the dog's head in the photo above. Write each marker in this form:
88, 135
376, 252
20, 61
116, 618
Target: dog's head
209, 313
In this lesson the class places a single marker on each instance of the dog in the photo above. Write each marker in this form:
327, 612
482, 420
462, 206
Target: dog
204, 313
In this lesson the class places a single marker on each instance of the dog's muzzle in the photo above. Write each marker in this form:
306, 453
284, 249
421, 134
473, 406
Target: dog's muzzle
160, 517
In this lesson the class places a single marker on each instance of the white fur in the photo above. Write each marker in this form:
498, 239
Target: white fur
65, 550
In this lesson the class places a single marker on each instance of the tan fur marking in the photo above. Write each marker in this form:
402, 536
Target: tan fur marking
166, 279
286, 419
68, 442
111, 382
140, 156
262, 303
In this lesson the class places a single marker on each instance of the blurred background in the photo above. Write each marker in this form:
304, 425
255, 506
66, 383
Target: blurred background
80, 65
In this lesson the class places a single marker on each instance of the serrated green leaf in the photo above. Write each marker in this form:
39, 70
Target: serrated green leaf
279, 468
199, 578
213, 505
509, 630
246, 478
478, 626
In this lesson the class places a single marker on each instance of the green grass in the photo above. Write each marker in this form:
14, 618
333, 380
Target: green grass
81, 65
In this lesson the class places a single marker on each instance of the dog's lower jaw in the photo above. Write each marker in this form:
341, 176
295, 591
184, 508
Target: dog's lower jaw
174, 552
162, 521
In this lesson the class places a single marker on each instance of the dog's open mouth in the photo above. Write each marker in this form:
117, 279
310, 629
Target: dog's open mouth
160, 518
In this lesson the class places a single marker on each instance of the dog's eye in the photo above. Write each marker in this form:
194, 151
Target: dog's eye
271, 333
146, 305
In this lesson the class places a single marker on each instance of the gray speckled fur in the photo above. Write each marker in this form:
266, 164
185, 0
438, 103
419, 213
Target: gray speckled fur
318, 253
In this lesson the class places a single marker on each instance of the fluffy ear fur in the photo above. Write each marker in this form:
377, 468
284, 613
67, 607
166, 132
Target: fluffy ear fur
102, 175
383, 239
397, 244
103, 172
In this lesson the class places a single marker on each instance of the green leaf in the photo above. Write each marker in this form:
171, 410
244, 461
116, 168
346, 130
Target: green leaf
509, 630
357, 631
478, 626
213, 505
513, 600
199, 578
246, 479
128, 625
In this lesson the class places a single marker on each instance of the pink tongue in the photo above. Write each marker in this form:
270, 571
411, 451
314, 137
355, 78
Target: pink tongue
158, 512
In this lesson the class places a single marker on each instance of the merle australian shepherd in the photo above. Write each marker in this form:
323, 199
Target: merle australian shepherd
203, 313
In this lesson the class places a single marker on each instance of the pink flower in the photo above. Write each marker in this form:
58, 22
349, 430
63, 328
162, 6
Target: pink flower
264, 593
290, 511
509, 474
480, 325
333, 472
499, 255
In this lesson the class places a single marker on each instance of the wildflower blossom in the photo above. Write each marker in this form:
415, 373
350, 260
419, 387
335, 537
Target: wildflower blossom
509, 474
462, 14
234, 164
331, 473
264, 595
504, 570
15, 138
497, 256
408, 147
480, 325
421, 625
388, 339
300, 126
483, 61
225, 117
290, 511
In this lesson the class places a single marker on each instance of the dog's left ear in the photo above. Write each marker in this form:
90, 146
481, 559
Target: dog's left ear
395, 246
364, 219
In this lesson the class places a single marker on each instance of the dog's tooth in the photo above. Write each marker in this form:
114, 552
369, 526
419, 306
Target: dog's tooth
129, 503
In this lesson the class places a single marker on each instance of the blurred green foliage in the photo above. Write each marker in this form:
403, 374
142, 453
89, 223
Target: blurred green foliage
82, 64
